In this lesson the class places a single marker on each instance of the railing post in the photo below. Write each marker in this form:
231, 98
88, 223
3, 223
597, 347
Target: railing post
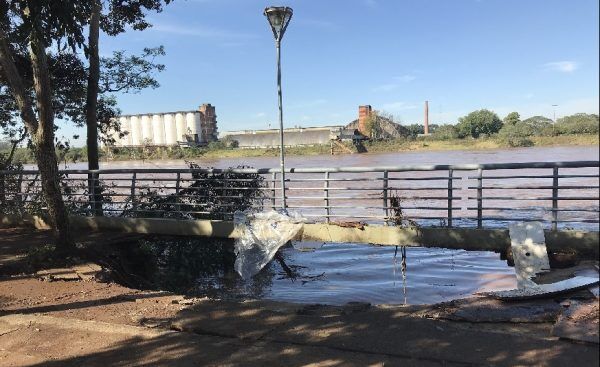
92, 197
326, 194
479, 198
133, 201
177, 188
450, 196
21, 193
385, 197
555, 198
273, 191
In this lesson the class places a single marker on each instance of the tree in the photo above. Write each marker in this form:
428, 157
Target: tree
123, 74
536, 125
512, 118
477, 123
118, 15
445, 132
35, 25
579, 123
415, 129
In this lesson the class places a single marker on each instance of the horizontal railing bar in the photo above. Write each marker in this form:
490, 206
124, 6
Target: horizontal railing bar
535, 187
360, 207
549, 209
533, 176
535, 198
457, 167
373, 198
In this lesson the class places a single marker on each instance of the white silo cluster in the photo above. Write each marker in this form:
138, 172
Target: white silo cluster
163, 129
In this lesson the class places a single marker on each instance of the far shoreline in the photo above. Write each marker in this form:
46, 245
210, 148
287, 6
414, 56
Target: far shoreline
378, 147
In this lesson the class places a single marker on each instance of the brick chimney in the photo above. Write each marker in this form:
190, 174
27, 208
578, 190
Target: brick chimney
426, 122
208, 122
363, 114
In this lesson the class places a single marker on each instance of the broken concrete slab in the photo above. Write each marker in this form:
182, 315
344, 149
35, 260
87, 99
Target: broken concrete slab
545, 290
578, 322
60, 274
493, 310
87, 271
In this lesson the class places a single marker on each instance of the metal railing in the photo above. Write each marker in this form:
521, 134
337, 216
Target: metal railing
559, 194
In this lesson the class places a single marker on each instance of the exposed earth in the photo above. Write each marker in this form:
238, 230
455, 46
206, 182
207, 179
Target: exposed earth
77, 316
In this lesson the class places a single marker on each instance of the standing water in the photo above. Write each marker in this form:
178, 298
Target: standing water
339, 273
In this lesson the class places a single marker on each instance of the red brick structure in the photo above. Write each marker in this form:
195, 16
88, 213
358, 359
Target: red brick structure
208, 122
364, 112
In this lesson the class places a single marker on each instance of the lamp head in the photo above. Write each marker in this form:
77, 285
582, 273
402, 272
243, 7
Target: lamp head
279, 17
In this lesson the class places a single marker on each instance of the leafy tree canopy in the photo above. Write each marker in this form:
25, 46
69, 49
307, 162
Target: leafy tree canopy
477, 123
512, 118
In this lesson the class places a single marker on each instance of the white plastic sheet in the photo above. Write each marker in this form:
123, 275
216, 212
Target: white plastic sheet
261, 235
529, 252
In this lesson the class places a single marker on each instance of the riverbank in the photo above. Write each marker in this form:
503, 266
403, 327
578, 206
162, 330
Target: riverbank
77, 316
391, 146
78, 155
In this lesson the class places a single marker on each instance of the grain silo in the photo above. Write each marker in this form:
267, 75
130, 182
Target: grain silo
180, 126
170, 129
158, 130
136, 131
147, 134
125, 128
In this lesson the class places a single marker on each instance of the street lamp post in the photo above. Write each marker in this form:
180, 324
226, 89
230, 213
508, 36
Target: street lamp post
279, 17
554, 112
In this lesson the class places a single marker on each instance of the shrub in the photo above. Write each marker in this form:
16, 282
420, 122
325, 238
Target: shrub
477, 123
579, 123
445, 132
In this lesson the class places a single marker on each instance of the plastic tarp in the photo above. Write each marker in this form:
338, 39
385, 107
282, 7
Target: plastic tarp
260, 236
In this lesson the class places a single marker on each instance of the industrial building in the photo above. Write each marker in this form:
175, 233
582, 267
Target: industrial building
180, 128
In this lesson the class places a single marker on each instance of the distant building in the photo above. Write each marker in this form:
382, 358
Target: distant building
298, 136
291, 137
383, 128
188, 128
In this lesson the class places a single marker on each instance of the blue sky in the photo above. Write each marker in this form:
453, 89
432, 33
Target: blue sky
461, 55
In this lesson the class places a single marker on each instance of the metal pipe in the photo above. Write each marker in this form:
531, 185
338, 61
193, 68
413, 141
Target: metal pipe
280, 99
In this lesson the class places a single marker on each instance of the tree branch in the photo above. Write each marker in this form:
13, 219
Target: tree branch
16, 84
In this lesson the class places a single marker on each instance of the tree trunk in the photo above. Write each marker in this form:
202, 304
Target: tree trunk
43, 141
41, 130
91, 107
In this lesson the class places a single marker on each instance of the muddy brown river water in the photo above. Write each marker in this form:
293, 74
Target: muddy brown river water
339, 273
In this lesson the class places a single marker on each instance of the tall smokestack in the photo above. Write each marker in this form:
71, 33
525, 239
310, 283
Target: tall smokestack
426, 123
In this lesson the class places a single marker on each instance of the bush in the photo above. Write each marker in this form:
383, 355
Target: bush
579, 123
445, 132
537, 125
477, 123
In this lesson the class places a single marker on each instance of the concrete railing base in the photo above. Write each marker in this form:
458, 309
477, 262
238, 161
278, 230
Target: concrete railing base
584, 244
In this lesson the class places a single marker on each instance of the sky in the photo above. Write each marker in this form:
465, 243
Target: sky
460, 55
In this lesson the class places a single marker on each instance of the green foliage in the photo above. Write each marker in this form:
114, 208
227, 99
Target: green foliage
537, 125
579, 123
445, 132
415, 129
477, 123
516, 135
512, 118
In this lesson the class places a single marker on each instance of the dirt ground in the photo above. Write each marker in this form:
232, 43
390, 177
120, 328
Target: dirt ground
75, 317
